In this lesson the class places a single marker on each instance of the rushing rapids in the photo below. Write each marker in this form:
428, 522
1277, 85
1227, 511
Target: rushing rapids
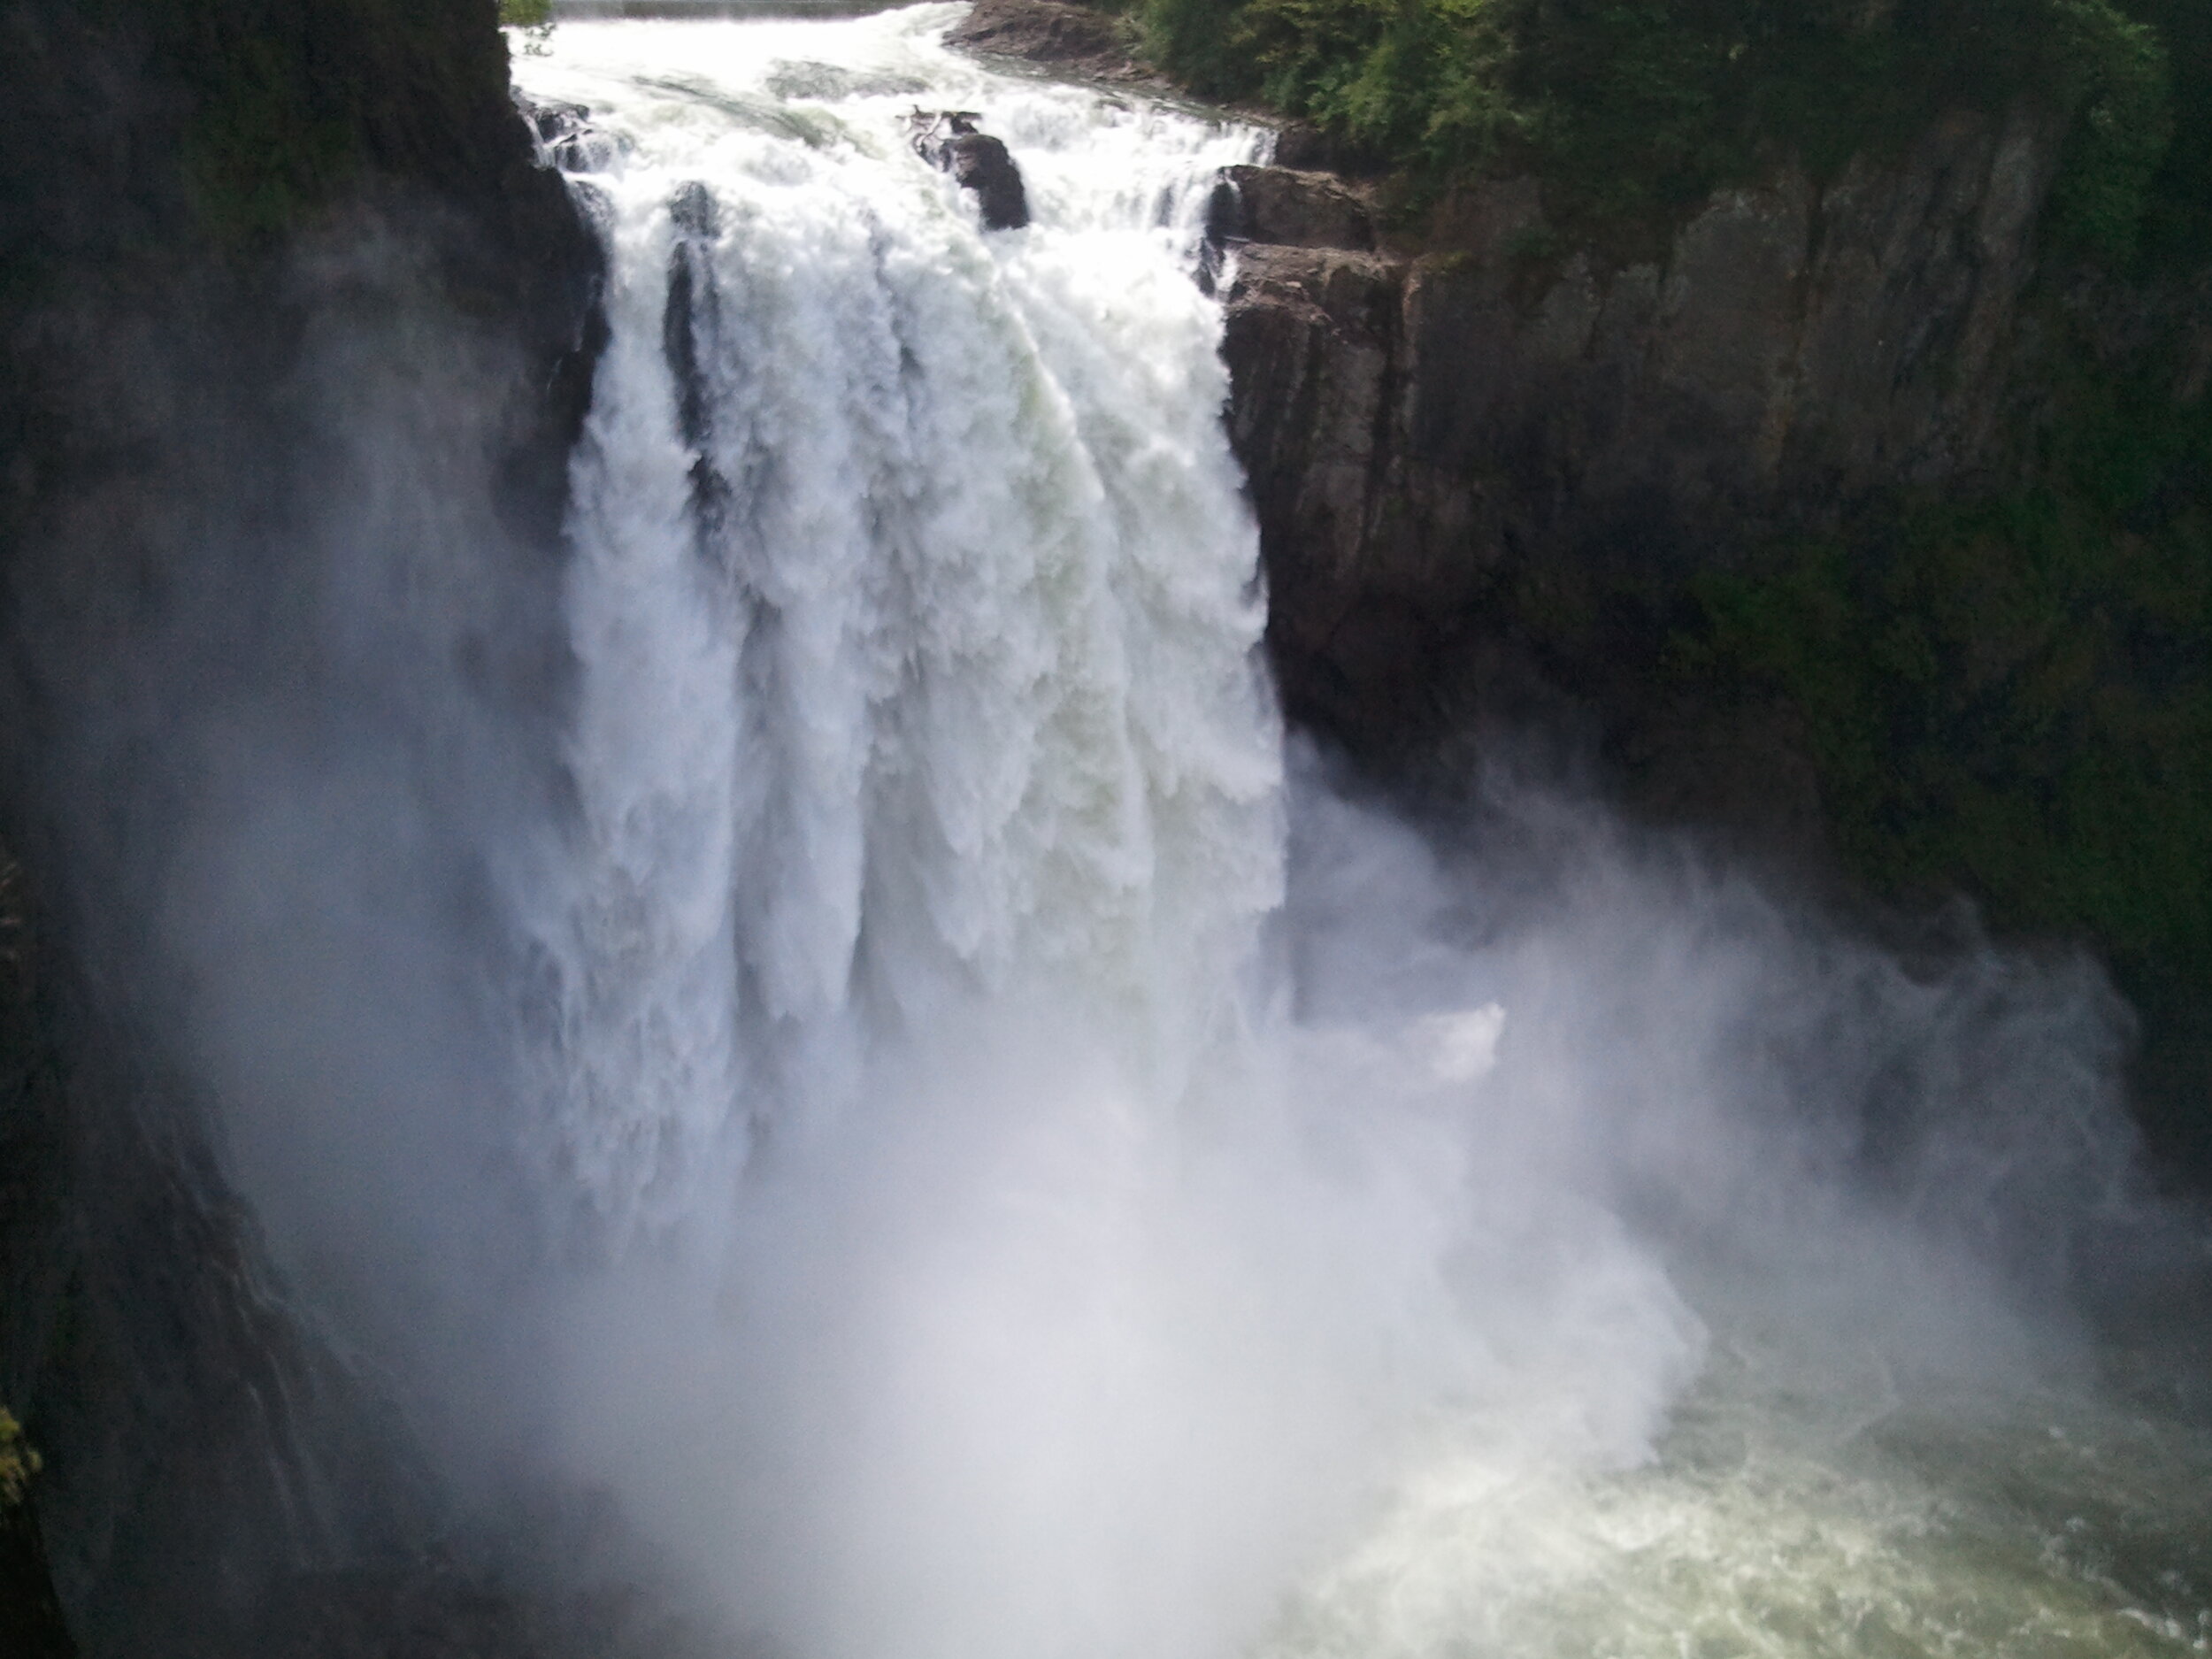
1003, 1224
913, 592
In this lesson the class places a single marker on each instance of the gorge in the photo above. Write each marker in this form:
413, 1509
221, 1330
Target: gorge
671, 988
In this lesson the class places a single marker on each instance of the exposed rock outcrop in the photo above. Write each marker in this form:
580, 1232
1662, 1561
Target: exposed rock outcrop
1748, 517
949, 140
1420, 425
1073, 38
566, 138
1286, 207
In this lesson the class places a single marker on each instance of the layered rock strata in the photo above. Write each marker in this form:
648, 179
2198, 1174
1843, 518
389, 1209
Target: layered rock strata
1420, 425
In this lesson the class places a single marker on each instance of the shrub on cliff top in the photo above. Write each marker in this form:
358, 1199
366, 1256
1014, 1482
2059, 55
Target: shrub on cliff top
1636, 104
1429, 82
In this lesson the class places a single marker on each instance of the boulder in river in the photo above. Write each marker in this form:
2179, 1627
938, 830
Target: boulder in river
565, 136
948, 141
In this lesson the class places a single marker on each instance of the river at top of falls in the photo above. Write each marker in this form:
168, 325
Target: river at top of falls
1015, 1219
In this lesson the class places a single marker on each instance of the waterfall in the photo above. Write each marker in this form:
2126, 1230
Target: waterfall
914, 599
1018, 1197
899, 978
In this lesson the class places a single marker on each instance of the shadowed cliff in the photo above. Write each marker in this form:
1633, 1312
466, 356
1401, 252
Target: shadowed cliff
230, 234
1858, 523
1852, 507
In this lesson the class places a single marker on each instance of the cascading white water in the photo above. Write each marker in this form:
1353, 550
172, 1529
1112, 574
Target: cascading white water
913, 594
980, 1258
910, 971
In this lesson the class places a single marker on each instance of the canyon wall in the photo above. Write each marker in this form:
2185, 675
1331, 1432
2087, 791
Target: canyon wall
1856, 520
1487, 460
1852, 526
233, 236
1426, 424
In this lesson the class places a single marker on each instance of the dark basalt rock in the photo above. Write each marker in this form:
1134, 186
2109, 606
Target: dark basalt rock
1280, 207
948, 141
566, 138
554, 117
690, 325
1433, 426
1071, 37
1288, 207
182, 326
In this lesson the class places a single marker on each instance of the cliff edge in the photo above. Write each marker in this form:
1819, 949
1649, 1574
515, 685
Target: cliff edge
1850, 515
271, 277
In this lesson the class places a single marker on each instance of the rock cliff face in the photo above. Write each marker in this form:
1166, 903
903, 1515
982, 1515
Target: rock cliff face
1848, 519
1421, 428
273, 276
1070, 38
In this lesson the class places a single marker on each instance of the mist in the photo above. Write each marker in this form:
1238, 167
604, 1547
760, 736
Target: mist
1506, 1152
838, 1022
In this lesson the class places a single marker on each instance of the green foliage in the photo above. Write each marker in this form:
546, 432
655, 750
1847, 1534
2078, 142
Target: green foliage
2177, 222
1192, 40
1628, 106
1420, 79
258, 151
19, 1463
2113, 73
533, 18
2014, 694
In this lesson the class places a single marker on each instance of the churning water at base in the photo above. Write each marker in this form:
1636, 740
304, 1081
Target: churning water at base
1038, 1183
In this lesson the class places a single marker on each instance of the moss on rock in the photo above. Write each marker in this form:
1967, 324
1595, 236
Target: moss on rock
2011, 694
19, 1461
1645, 107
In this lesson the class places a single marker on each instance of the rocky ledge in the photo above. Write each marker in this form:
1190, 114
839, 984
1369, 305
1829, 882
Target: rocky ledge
1433, 413
950, 141
1070, 38
1839, 517
1423, 419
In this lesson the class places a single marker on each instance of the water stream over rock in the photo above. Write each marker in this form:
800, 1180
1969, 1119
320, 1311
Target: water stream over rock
1014, 1168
